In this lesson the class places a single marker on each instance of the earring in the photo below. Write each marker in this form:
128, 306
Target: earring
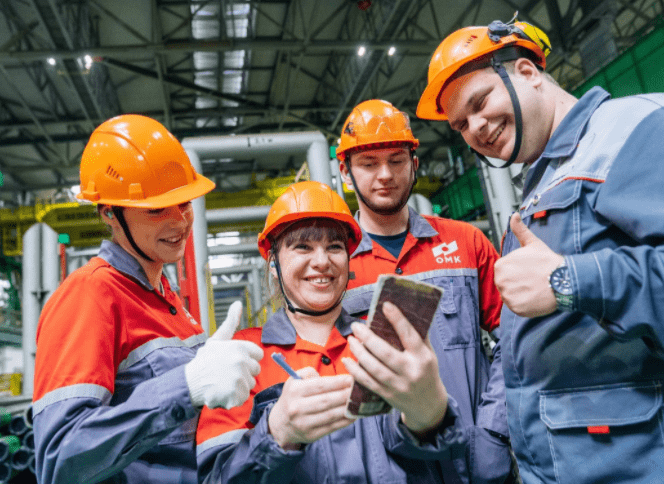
272, 265
109, 214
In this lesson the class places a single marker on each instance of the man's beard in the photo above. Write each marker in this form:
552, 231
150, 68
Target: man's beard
394, 207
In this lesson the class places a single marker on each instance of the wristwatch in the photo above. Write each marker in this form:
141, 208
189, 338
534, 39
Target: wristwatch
560, 282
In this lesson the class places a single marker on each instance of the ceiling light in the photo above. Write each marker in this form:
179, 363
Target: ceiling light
361, 51
51, 61
392, 50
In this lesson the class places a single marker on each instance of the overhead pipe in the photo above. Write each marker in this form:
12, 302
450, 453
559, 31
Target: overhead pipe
312, 143
235, 215
247, 249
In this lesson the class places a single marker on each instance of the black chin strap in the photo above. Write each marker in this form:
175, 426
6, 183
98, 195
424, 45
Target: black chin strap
518, 120
292, 308
119, 214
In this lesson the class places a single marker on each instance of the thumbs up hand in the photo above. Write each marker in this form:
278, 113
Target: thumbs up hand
223, 370
522, 276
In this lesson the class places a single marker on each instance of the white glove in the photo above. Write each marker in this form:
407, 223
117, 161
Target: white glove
222, 372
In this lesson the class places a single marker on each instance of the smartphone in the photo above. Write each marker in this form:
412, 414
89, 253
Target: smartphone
418, 301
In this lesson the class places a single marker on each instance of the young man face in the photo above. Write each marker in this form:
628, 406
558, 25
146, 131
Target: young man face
384, 177
479, 107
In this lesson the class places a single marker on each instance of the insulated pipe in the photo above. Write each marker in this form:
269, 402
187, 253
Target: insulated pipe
41, 276
31, 302
231, 285
249, 249
50, 262
502, 197
256, 296
312, 142
200, 247
243, 269
239, 214
420, 204
336, 174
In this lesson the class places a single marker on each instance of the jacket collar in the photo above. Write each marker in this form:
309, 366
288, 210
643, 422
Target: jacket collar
417, 226
123, 262
278, 330
565, 138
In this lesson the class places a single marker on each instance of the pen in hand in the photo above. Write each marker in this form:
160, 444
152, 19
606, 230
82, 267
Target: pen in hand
281, 361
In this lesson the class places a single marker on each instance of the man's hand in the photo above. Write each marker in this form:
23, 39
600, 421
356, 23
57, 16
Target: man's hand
309, 409
522, 276
408, 379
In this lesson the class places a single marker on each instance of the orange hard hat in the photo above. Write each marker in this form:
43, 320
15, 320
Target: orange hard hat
472, 45
375, 123
304, 200
134, 161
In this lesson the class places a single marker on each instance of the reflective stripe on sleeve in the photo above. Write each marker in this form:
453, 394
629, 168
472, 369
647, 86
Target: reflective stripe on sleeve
80, 390
232, 437
158, 343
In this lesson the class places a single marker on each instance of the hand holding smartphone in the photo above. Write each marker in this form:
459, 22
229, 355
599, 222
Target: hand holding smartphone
418, 302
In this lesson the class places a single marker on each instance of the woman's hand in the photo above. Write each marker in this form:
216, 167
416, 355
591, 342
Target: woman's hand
309, 409
408, 379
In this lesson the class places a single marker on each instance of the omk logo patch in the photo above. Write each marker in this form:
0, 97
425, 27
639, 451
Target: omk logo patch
443, 252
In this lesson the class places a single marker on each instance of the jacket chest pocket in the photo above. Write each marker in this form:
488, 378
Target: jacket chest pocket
456, 322
553, 215
605, 434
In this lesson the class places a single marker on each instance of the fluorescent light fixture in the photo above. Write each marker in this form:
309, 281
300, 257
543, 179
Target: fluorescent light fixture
88, 61
51, 61
392, 50
361, 51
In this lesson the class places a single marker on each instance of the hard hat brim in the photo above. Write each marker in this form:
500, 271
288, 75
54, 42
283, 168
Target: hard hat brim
186, 193
265, 238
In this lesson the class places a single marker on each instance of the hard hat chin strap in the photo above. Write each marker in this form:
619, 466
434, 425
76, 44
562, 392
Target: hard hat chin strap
290, 306
119, 214
498, 66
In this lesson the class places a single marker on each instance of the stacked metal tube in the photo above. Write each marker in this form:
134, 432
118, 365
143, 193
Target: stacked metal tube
17, 447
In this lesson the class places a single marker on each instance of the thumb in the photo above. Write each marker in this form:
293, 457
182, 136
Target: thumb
228, 327
522, 233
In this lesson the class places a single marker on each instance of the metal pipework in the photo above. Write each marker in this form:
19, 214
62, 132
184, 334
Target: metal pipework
247, 249
41, 276
234, 215
312, 143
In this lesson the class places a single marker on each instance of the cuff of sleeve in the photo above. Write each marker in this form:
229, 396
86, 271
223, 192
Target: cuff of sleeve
174, 394
587, 284
271, 451
449, 434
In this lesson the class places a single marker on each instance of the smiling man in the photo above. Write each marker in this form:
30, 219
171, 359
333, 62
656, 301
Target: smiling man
582, 272
377, 159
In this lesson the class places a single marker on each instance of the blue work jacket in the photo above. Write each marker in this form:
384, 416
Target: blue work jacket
584, 388
111, 402
235, 446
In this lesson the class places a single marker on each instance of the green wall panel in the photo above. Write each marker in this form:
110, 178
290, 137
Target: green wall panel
640, 69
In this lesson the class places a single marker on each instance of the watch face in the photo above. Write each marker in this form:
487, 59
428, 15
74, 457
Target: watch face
560, 281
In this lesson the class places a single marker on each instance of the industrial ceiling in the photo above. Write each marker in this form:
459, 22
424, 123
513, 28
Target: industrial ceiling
239, 67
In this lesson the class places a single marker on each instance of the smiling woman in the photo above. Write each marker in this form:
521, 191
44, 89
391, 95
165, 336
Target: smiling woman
121, 368
299, 425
